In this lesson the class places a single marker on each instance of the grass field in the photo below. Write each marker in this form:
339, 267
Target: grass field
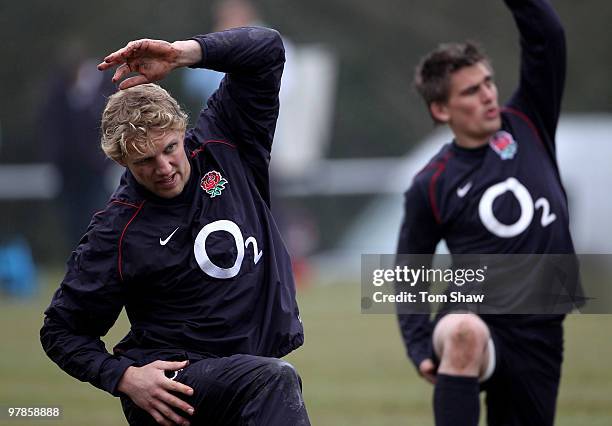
353, 367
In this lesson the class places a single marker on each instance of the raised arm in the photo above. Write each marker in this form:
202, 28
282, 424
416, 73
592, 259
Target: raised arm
246, 104
543, 64
252, 57
244, 108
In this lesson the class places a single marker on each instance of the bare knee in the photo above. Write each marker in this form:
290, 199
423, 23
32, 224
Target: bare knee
460, 341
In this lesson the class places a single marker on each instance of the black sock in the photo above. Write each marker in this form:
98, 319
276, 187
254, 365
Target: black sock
456, 401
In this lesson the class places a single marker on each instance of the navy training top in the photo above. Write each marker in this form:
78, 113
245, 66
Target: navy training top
504, 197
205, 273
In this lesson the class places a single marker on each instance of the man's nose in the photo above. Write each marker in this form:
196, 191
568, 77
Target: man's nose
488, 93
163, 166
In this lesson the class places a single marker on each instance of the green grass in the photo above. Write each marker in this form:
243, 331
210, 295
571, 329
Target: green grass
353, 367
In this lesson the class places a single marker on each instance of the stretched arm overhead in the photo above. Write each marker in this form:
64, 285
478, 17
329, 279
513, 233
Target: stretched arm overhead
543, 65
244, 108
246, 105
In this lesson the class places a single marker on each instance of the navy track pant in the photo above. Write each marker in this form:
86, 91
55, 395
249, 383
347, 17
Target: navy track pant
237, 390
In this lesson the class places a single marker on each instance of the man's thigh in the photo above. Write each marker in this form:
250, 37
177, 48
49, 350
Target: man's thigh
214, 398
228, 390
233, 389
523, 390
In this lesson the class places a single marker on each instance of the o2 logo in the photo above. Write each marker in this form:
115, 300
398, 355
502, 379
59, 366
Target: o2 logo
528, 207
206, 265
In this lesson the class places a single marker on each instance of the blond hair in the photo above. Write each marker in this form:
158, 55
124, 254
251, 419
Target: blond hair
130, 116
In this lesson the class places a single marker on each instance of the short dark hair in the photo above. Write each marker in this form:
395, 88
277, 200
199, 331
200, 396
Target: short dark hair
432, 74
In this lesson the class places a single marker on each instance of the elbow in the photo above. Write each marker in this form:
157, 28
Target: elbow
51, 334
273, 36
557, 32
551, 25
45, 336
277, 40
273, 42
277, 47
556, 37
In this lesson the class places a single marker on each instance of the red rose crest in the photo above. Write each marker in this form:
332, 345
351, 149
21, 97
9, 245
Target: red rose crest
504, 145
213, 183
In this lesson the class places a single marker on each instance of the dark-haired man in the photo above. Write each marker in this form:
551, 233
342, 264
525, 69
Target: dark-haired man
495, 189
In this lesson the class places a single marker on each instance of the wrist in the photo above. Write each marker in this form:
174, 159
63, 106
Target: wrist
189, 52
123, 384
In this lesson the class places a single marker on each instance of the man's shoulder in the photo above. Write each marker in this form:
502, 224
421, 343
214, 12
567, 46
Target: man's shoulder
514, 115
109, 223
126, 197
206, 135
435, 167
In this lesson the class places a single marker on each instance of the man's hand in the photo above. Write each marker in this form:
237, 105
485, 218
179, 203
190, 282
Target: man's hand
149, 388
427, 369
153, 60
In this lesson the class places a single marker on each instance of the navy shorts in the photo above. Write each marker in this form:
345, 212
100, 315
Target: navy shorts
524, 386
236, 390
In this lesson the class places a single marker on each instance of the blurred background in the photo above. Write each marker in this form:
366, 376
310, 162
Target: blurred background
351, 134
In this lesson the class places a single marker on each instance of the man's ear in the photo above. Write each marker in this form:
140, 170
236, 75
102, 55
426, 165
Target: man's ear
439, 112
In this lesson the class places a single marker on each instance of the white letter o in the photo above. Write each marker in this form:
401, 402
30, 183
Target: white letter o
199, 249
485, 208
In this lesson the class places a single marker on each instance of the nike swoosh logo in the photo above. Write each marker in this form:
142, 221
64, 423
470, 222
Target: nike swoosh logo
463, 190
164, 242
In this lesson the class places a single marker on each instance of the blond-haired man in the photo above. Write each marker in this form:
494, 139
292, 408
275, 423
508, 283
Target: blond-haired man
188, 245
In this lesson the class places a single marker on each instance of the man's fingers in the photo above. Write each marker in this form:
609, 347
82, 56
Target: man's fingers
133, 81
427, 369
110, 61
427, 366
179, 387
115, 57
138, 48
121, 72
170, 365
134, 49
159, 417
119, 56
104, 66
430, 378
137, 51
169, 414
173, 401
